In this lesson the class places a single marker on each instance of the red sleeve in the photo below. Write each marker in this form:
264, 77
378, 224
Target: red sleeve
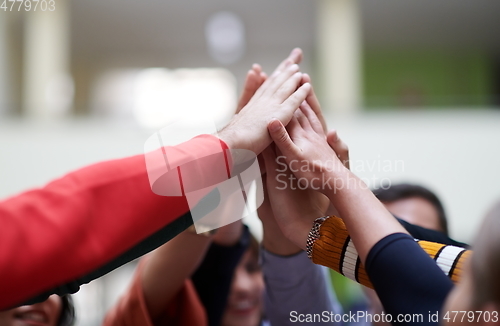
185, 309
75, 224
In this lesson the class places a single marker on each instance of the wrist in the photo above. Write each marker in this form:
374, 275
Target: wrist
228, 136
275, 242
341, 182
297, 233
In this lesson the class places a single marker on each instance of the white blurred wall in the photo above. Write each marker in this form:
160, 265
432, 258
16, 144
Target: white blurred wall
455, 153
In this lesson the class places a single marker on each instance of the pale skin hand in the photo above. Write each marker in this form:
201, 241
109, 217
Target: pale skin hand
278, 97
293, 209
274, 240
290, 200
367, 220
256, 77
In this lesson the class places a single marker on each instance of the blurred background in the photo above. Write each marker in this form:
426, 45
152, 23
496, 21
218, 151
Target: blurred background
412, 86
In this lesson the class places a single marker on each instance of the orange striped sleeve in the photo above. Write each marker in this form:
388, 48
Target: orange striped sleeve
334, 249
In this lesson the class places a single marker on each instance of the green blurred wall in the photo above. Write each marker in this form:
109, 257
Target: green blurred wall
394, 79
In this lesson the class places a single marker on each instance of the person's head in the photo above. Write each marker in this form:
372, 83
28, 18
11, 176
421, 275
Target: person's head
479, 287
414, 204
55, 311
245, 302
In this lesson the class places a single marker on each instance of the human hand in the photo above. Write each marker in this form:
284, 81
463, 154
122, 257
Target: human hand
273, 239
278, 97
313, 102
294, 207
308, 151
256, 77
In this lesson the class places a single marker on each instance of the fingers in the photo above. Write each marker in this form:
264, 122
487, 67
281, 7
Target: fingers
303, 121
288, 87
294, 128
269, 158
293, 102
313, 101
294, 57
249, 89
312, 118
282, 139
254, 79
257, 68
278, 78
339, 147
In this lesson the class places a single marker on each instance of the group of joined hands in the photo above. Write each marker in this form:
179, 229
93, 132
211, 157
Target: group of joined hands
280, 116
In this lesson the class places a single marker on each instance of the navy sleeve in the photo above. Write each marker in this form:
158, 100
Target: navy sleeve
406, 279
421, 233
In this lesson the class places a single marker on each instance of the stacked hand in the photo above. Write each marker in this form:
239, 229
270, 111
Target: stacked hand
296, 205
275, 100
278, 96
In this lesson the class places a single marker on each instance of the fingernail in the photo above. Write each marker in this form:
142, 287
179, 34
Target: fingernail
294, 67
274, 125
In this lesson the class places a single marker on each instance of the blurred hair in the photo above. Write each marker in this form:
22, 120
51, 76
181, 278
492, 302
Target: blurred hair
405, 190
67, 317
485, 261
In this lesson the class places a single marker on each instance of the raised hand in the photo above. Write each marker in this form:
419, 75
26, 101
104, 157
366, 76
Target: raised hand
293, 206
256, 77
313, 161
273, 239
278, 98
307, 151
313, 103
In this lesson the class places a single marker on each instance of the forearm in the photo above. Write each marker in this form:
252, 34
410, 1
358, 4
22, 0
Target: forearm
273, 239
83, 221
366, 218
168, 267
334, 249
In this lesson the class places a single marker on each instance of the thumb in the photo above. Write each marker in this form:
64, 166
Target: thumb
282, 139
339, 147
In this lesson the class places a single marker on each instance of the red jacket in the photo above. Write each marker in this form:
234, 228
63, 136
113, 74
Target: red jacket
89, 222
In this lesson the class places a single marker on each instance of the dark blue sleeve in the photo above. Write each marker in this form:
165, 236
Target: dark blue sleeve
406, 279
421, 233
